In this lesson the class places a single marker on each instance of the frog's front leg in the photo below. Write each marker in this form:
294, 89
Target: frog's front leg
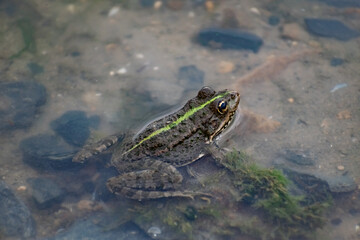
158, 181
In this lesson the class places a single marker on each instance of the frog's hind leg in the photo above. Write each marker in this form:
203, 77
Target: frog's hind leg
159, 181
96, 148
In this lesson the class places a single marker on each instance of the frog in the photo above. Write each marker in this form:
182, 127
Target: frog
148, 162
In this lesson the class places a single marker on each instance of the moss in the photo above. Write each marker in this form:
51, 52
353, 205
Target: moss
266, 189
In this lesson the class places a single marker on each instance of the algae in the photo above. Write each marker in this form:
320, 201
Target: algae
267, 190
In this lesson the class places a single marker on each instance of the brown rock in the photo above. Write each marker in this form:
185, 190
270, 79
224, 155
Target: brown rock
294, 31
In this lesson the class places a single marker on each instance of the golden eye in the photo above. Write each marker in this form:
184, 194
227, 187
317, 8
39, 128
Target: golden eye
222, 107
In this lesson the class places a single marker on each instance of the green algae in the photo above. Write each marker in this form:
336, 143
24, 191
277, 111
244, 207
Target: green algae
267, 190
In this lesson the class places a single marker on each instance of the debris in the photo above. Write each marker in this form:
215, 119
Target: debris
345, 114
113, 11
338, 86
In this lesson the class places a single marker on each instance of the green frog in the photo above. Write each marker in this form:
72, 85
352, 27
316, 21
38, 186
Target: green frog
147, 162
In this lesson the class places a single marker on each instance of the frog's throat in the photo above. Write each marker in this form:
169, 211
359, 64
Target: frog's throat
177, 121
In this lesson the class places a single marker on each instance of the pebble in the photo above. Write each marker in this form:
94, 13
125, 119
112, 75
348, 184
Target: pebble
225, 67
21, 188
294, 31
334, 62
273, 20
209, 6
20, 102
345, 114
291, 100
330, 28
229, 39
15, 218
341, 168
255, 10
45, 192
121, 71
158, 5
154, 231
113, 11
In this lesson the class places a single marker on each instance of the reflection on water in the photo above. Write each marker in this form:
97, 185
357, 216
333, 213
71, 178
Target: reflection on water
75, 71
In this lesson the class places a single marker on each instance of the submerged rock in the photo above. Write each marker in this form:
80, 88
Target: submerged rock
74, 127
299, 157
229, 39
318, 183
191, 77
330, 28
48, 152
15, 218
45, 192
92, 229
19, 104
334, 62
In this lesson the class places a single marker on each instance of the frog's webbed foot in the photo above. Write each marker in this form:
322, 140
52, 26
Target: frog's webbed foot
96, 148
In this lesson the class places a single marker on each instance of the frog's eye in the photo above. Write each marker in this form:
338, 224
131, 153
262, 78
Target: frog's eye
222, 106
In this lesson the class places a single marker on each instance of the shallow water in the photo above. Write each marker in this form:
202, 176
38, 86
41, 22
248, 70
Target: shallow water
120, 61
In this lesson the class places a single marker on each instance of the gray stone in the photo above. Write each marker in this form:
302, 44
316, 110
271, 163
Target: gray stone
330, 28
15, 217
299, 157
48, 152
19, 103
74, 127
45, 192
229, 39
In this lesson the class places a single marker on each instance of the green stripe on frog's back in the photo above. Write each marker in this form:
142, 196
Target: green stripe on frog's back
176, 122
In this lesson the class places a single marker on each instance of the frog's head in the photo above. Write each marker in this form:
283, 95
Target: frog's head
216, 110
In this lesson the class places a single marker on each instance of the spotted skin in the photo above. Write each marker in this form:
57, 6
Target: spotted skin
147, 163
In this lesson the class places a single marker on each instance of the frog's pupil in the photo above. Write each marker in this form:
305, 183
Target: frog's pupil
223, 105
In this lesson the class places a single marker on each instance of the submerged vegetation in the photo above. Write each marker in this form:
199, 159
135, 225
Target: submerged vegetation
259, 205
267, 189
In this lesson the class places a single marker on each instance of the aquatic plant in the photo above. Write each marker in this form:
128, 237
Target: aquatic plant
267, 190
